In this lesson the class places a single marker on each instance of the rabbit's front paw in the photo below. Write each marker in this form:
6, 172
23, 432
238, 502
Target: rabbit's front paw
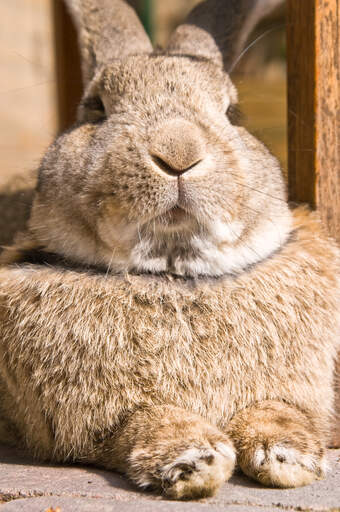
196, 472
278, 445
282, 465
174, 451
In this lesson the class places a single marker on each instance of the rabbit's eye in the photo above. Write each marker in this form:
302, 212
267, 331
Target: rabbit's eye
93, 109
234, 114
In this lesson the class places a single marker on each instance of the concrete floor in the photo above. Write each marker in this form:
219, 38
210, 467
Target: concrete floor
30, 486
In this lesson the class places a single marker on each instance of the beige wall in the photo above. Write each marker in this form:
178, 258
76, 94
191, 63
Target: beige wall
27, 104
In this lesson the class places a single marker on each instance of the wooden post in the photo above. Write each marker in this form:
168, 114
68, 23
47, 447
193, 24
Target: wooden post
68, 68
313, 58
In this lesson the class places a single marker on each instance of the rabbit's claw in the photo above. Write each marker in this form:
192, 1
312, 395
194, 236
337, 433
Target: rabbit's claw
278, 445
195, 471
198, 472
285, 466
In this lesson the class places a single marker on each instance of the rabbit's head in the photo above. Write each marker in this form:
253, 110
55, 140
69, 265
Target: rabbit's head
158, 176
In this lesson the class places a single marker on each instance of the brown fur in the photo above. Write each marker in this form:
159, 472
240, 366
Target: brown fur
165, 311
82, 352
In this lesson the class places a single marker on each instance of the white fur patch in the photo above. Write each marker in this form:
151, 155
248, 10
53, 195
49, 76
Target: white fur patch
226, 451
293, 456
143, 481
192, 456
197, 458
283, 454
198, 471
287, 467
226, 231
215, 253
259, 458
216, 260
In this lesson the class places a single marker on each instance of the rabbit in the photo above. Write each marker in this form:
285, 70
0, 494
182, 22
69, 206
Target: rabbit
166, 314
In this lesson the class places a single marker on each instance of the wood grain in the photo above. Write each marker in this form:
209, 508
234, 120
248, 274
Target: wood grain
327, 103
313, 48
313, 60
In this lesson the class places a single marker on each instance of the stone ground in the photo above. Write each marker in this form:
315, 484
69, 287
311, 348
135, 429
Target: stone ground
29, 486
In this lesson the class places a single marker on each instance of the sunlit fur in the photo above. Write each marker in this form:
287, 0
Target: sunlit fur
182, 321
112, 201
89, 359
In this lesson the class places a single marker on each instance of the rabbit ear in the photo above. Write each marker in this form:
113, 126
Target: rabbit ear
107, 29
218, 29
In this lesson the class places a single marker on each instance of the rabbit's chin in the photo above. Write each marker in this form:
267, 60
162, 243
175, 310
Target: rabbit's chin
222, 248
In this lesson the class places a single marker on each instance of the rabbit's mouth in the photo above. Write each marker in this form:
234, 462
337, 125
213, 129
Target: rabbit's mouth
176, 214
173, 219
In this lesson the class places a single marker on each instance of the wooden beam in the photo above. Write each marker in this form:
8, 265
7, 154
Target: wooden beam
313, 48
327, 99
313, 59
68, 68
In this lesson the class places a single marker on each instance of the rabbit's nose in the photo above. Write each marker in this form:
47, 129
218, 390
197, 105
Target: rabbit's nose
177, 146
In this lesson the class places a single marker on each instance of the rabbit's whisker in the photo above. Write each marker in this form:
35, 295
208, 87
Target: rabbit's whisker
260, 191
254, 189
244, 243
261, 36
247, 207
110, 263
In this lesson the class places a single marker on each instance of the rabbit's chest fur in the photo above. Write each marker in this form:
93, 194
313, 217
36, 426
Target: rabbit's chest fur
97, 346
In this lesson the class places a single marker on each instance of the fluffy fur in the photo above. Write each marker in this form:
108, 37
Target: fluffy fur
165, 313
87, 359
119, 209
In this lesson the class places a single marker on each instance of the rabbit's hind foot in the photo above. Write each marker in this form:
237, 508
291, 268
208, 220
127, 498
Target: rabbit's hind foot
278, 445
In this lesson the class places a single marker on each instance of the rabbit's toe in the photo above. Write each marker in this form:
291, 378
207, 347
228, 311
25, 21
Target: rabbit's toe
191, 473
278, 444
198, 472
176, 452
283, 466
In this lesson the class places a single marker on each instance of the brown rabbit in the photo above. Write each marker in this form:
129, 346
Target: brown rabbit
166, 314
